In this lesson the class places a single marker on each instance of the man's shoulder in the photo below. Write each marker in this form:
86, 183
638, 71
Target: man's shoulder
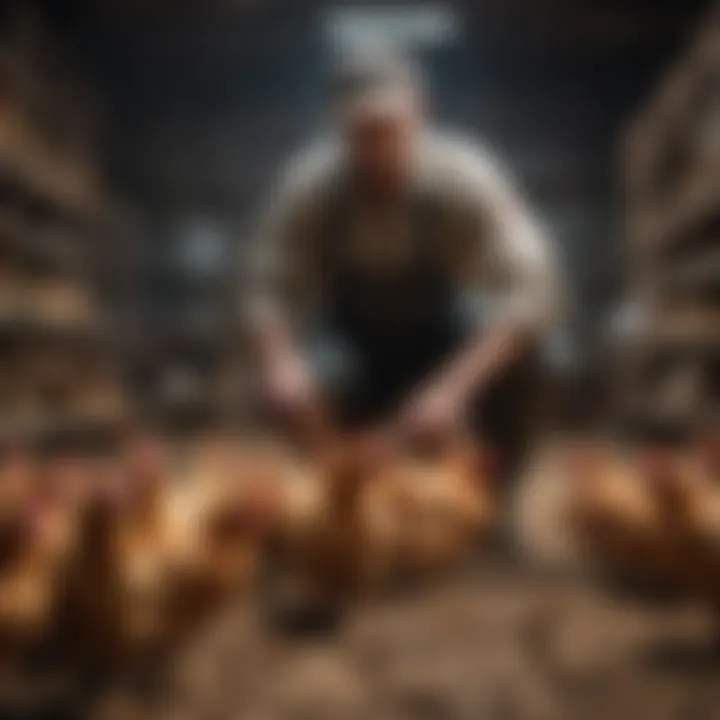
461, 166
309, 174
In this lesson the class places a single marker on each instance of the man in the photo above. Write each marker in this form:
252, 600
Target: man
399, 277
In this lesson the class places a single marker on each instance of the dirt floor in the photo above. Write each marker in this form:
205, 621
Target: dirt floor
499, 645
501, 640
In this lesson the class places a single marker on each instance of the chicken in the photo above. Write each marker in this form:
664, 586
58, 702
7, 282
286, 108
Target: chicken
35, 531
655, 515
316, 557
613, 510
427, 511
343, 559
147, 465
158, 554
689, 500
213, 536
25, 585
211, 553
347, 524
686, 486
282, 492
92, 608
110, 603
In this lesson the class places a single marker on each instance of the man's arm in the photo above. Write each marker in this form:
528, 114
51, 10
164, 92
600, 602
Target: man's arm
527, 303
279, 290
508, 243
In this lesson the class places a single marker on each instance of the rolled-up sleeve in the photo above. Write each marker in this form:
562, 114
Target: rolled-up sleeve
533, 289
511, 255
281, 268
270, 269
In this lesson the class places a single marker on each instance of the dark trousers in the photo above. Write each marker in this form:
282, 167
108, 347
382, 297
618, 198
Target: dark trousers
366, 383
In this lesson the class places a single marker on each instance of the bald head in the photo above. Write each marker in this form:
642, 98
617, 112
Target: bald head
376, 98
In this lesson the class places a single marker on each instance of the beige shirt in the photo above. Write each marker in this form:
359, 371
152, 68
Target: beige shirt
493, 248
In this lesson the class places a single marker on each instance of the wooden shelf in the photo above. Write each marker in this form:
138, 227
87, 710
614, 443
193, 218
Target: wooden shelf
42, 179
62, 430
18, 327
696, 276
677, 223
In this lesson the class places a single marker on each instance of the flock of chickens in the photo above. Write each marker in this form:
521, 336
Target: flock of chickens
113, 559
116, 559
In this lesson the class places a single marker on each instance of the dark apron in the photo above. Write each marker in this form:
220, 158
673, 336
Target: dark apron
399, 328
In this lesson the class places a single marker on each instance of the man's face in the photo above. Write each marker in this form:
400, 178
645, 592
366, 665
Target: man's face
380, 148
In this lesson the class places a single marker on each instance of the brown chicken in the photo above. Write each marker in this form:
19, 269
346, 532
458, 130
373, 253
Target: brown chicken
345, 526
155, 559
110, 605
35, 531
342, 557
316, 556
689, 500
427, 511
213, 538
614, 510
656, 515
27, 572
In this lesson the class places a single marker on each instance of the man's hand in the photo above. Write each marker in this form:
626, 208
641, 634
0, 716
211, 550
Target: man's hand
293, 396
436, 412
288, 386
432, 415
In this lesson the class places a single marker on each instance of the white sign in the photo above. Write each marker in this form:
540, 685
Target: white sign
418, 25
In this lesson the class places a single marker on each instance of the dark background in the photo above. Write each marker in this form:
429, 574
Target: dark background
200, 103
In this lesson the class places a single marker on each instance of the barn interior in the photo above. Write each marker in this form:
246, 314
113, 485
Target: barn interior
192, 109
138, 141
